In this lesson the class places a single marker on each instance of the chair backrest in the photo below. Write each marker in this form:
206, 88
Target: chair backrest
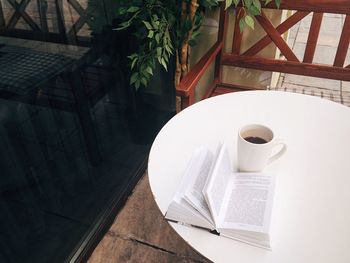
288, 63
59, 21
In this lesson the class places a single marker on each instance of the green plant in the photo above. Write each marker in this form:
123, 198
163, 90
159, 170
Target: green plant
251, 8
151, 22
169, 28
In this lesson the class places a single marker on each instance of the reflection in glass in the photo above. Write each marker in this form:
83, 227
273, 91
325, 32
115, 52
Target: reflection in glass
73, 135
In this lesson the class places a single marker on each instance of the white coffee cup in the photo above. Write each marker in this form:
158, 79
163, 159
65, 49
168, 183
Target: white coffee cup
254, 147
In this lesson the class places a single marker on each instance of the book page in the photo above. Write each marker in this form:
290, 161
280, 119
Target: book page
180, 209
250, 202
216, 187
193, 194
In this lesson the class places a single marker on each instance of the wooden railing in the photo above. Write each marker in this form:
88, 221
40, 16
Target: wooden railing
289, 63
50, 20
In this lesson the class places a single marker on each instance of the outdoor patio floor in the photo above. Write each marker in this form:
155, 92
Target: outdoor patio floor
140, 233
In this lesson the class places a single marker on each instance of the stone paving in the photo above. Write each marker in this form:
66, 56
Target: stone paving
140, 233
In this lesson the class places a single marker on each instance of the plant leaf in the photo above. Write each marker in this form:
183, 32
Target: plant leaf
137, 84
228, 3
257, 4
144, 81
253, 10
133, 9
148, 25
242, 24
249, 21
123, 25
150, 34
133, 63
247, 3
157, 37
132, 56
164, 64
123, 10
168, 49
278, 3
149, 70
134, 77
159, 52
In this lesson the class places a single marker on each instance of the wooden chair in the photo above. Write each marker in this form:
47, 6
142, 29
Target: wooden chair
60, 22
288, 64
45, 12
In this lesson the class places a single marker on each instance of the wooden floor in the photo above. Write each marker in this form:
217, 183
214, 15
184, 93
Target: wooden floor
140, 234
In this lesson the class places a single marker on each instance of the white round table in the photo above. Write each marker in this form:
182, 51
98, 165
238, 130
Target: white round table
311, 210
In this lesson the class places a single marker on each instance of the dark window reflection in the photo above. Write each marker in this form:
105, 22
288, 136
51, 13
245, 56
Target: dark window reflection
73, 134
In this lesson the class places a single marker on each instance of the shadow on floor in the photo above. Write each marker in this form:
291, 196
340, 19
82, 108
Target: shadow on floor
140, 234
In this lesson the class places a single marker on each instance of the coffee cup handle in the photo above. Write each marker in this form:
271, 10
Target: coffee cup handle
279, 153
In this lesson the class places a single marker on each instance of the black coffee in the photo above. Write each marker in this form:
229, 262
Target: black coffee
256, 140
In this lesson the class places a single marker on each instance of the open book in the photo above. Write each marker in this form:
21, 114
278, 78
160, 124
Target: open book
212, 196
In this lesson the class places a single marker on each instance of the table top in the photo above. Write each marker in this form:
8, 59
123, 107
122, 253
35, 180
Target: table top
311, 210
